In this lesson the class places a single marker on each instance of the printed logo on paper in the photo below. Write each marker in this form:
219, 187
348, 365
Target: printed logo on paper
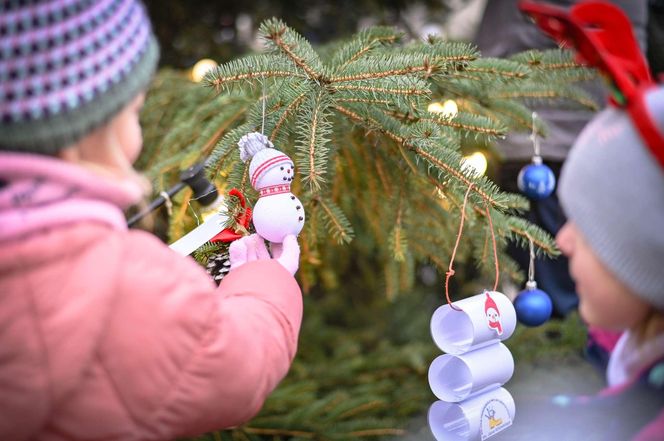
495, 418
492, 315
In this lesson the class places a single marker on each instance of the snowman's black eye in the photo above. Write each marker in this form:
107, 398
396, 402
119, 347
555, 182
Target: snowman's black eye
281, 168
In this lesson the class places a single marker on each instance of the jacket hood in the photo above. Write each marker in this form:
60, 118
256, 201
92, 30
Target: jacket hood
39, 192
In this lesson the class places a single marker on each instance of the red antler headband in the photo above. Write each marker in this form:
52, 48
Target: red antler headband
603, 38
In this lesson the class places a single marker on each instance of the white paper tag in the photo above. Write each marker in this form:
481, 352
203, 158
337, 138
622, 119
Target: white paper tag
193, 240
495, 418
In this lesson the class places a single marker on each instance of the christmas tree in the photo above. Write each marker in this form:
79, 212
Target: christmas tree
383, 181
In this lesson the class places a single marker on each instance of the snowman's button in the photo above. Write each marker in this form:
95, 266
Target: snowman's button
301, 218
292, 197
298, 207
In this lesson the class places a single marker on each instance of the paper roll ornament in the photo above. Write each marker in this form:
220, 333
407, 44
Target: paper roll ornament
468, 378
454, 378
278, 212
477, 418
484, 319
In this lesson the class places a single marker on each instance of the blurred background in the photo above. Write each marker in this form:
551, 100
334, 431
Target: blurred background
222, 30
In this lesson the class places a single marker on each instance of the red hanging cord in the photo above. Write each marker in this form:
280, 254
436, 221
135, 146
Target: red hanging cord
450, 270
495, 248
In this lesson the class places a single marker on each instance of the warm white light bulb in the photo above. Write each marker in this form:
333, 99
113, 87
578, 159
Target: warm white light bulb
201, 68
476, 161
435, 107
448, 109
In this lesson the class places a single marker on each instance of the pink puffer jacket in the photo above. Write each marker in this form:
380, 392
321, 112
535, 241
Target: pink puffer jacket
107, 334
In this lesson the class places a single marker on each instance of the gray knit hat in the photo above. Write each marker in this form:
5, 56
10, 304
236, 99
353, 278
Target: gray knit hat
612, 188
68, 66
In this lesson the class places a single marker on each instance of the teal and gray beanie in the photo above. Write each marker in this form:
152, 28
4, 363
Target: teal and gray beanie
67, 67
612, 188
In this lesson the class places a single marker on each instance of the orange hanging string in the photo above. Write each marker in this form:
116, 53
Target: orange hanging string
450, 270
495, 248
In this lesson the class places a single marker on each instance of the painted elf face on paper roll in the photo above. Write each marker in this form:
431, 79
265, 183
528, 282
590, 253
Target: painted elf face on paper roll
278, 212
492, 314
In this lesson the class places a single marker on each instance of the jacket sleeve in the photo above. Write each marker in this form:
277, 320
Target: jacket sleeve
187, 357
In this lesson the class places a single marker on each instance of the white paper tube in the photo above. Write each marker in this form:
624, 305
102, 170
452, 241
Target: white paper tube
193, 240
484, 319
458, 377
472, 420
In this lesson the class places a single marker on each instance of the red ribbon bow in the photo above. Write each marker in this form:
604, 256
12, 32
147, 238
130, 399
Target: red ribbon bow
603, 38
229, 234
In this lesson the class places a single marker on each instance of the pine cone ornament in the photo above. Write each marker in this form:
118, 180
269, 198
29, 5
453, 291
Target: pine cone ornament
218, 265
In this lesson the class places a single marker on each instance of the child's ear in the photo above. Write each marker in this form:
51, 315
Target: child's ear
69, 154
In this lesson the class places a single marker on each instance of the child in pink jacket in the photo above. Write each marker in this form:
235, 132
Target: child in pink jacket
105, 333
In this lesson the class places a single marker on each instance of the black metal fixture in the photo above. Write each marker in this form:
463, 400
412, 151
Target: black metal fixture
205, 193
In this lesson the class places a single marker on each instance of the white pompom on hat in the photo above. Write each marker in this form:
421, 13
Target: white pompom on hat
263, 155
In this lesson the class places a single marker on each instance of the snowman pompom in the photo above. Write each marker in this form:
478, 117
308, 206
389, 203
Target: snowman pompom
252, 143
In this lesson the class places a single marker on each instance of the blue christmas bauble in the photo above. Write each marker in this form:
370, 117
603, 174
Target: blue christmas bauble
533, 307
536, 181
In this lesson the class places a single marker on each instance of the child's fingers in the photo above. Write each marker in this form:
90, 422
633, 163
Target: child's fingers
276, 249
289, 256
252, 247
237, 253
261, 249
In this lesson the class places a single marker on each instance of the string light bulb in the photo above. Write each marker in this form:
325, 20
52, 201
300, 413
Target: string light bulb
448, 108
475, 162
201, 68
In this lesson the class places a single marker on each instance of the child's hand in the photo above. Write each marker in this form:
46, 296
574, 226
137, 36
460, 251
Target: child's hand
252, 247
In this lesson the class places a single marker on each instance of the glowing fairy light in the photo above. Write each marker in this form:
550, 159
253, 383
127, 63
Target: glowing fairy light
448, 109
201, 68
475, 161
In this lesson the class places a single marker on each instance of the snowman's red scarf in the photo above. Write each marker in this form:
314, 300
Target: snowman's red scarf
275, 189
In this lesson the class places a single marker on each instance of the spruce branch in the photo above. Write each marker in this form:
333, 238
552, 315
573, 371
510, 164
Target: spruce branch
364, 43
397, 241
497, 68
389, 86
294, 47
336, 222
375, 67
561, 62
252, 69
543, 92
471, 124
514, 114
286, 112
226, 148
314, 129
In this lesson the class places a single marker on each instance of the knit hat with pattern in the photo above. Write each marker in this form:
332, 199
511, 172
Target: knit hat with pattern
612, 188
68, 66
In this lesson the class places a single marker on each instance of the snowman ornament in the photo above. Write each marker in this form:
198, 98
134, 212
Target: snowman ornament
278, 212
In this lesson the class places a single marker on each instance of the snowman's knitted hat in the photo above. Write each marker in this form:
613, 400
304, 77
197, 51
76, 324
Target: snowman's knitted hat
489, 303
264, 156
612, 188
67, 67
